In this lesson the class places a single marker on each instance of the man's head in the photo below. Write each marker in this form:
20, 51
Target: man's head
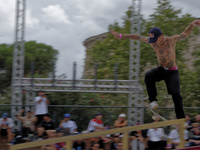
197, 118
67, 117
40, 93
119, 146
47, 117
28, 114
122, 117
98, 116
187, 117
116, 138
95, 146
154, 35
5, 115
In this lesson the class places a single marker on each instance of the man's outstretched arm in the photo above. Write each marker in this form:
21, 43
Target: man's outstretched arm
129, 36
187, 31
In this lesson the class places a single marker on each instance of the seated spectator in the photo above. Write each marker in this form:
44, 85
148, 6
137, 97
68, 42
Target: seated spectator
121, 121
195, 120
46, 127
67, 126
95, 146
79, 145
138, 139
6, 125
188, 120
194, 135
116, 139
96, 123
98, 140
28, 123
174, 137
156, 138
119, 145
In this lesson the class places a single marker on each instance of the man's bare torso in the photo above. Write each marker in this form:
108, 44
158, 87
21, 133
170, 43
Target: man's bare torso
166, 53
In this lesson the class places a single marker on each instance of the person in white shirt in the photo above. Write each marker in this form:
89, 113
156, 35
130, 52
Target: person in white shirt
174, 137
96, 123
156, 138
6, 125
41, 106
67, 126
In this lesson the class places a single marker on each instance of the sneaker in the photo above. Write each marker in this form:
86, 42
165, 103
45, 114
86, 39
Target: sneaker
153, 105
106, 140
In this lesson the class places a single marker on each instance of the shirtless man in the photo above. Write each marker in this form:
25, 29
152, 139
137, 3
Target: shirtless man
167, 70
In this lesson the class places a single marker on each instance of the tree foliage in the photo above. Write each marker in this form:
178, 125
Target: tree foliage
43, 56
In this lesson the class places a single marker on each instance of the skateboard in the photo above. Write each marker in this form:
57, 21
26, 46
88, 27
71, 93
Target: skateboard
156, 115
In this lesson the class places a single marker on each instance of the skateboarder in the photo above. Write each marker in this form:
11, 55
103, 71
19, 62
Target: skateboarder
167, 69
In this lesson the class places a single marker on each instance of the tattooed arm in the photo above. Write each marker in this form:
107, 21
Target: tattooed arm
130, 36
187, 31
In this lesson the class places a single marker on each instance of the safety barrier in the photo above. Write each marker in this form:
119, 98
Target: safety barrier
69, 139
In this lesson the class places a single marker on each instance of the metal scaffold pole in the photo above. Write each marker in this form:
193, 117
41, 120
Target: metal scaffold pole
18, 60
134, 98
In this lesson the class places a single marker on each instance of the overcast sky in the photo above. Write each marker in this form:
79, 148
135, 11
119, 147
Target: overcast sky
65, 24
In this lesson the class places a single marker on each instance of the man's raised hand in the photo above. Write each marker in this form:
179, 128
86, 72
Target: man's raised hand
196, 22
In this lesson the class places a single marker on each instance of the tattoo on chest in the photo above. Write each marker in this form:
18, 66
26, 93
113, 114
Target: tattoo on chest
164, 55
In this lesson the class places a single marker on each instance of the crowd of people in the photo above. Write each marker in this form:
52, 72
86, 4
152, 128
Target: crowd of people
39, 125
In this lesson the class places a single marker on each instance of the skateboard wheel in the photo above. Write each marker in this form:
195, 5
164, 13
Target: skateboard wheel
154, 117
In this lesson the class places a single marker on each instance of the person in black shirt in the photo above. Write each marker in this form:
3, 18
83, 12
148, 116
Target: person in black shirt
138, 139
99, 141
46, 126
116, 139
79, 145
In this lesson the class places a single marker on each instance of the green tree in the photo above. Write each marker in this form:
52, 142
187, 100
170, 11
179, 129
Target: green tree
43, 55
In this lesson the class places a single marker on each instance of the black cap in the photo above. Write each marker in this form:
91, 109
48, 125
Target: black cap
154, 33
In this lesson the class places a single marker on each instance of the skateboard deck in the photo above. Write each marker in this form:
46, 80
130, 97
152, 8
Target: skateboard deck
156, 115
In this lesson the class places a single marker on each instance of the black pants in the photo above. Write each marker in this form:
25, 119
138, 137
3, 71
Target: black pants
171, 78
159, 145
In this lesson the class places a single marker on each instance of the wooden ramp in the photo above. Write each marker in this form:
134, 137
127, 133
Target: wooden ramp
125, 131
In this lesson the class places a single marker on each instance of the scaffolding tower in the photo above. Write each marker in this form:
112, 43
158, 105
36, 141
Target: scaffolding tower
135, 98
18, 60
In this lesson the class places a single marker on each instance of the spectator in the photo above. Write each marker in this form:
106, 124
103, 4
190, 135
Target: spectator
28, 123
96, 123
98, 140
187, 121
46, 127
194, 135
67, 126
196, 119
121, 121
119, 145
41, 103
138, 139
95, 146
156, 138
79, 145
116, 139
6, 125
174, 137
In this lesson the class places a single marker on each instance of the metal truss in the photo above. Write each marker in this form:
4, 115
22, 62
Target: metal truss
18, 60
81, 85
135, 98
